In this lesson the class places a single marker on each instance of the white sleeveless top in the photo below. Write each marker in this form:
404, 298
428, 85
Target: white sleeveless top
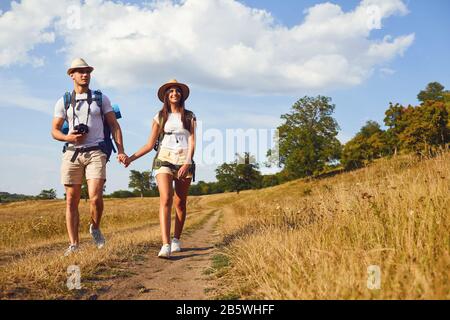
178, 140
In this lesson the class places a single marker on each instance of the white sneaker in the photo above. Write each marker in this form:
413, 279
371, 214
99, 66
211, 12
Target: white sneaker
165, 251
97, 236
176, 245
70, 250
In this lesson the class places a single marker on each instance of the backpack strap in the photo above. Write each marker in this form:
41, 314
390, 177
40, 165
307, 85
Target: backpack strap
161, 123
98, 96
158, 142
160, 134
190, 117
73, 99
89, 97
69, 99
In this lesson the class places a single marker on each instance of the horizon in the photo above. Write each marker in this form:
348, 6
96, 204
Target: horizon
362, 54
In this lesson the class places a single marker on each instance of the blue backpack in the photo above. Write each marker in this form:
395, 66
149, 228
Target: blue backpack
107, 145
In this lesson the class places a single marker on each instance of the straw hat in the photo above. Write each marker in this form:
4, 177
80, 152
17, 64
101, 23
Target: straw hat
173, 83
78, 63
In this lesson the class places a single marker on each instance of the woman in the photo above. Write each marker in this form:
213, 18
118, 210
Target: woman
174, 126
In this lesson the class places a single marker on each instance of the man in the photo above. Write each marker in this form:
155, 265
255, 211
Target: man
85, 154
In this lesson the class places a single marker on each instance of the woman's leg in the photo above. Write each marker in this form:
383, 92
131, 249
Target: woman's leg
165, 204
181, 193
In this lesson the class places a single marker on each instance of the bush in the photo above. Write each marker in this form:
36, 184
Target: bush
122, 194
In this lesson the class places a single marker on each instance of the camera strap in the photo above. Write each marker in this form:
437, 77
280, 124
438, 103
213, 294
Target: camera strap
89, 101
73, 104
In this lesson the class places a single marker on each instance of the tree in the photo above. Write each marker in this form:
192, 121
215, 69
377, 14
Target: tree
396, 124
227, 177
202, 188
47, 194
121, 194
248, 173
140, 182
434, 91
215, 187
242, 174
269, 180
194, 189
427, 128
369, 143
422, 129
308, 137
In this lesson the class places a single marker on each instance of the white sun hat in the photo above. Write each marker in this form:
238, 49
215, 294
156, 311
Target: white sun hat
78, 63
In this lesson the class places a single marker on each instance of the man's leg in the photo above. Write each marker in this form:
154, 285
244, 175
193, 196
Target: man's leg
96, 177
73, 194
95, 188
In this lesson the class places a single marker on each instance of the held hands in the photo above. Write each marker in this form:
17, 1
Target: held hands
128, 161
124, 159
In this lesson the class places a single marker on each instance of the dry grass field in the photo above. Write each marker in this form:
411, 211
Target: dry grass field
306, 239
316, 239
33, 240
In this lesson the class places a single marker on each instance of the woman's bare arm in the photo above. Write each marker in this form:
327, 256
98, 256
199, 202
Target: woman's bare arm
150, 143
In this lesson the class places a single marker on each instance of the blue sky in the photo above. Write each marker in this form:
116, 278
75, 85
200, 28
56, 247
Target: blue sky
233, 95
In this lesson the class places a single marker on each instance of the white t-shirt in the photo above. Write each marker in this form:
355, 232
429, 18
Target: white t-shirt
179, 139
95, 122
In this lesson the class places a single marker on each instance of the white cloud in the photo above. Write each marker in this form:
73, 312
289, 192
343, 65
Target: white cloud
28, 24
387, 49
218, 44
387, 71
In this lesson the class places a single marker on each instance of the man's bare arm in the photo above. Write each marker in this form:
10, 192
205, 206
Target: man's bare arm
116, 131
58, 135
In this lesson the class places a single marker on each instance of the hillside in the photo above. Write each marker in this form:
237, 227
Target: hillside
317, 239
306, 239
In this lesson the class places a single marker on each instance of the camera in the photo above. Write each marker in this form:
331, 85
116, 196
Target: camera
81, 128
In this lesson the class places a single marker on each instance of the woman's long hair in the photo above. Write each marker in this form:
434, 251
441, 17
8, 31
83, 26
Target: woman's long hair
164, 112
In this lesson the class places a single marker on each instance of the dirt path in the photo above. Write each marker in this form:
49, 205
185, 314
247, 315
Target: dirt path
180, 277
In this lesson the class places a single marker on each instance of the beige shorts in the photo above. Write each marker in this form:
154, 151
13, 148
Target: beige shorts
176, 157
92, 163
172, 172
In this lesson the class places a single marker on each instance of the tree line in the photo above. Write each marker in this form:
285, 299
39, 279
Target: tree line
423, 130
308, 145
48, 194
